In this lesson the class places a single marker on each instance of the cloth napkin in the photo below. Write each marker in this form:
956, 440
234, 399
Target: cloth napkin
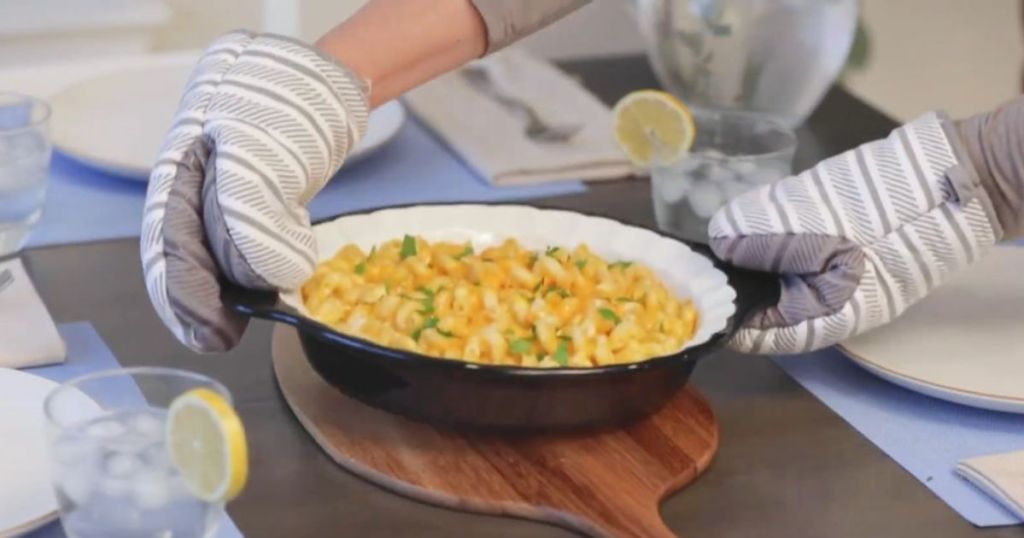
28, 336
491, 138
1001, 476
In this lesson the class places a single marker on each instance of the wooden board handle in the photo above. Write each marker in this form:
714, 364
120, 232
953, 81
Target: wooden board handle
605, 484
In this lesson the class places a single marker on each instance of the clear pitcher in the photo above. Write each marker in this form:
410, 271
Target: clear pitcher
776, 57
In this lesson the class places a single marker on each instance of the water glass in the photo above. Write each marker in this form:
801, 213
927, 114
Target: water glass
110, 465
24, 167
733, 152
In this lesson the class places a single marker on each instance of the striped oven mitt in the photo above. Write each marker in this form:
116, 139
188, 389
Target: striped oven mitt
264, 123
863, 235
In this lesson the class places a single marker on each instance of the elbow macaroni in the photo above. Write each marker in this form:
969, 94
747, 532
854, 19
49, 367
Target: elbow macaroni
505, 305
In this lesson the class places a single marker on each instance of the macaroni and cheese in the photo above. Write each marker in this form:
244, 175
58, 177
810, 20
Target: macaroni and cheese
505, 305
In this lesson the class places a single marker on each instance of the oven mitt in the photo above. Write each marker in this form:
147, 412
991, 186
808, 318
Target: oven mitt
264, 123
863, 235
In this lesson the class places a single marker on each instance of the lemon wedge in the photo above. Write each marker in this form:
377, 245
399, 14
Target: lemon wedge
207, 444
653, 127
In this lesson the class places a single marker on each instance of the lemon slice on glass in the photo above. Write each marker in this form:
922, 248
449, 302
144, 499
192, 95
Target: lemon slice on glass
653, 127
207, 444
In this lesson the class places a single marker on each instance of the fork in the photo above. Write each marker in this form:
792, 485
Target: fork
536, 128
6, 279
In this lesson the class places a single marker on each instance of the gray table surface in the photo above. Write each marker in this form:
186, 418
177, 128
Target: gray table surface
787, 465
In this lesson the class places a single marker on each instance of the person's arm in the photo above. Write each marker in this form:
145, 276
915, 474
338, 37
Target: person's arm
397, 45
265, 122
862, 236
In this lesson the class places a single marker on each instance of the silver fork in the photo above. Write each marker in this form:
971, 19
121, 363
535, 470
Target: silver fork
6, 279
536, 128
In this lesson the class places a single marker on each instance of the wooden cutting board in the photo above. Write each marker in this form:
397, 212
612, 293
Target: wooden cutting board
602, 484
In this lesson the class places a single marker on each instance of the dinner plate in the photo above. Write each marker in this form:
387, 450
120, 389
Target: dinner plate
27, 500
117, 120
963, 343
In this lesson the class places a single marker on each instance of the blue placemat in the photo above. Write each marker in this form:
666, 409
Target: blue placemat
83, 204
88, 353
926, 436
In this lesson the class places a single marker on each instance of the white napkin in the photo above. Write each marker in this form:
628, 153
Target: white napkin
28, 336
1001, 476
490, 136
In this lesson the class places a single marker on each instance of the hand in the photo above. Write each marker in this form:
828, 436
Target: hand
264, 123
865, 234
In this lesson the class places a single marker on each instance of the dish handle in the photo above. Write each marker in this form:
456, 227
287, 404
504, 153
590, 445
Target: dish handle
257, 303
755, 290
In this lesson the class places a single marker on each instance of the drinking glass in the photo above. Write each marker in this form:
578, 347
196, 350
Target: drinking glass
24, 167
111, 468
733, 152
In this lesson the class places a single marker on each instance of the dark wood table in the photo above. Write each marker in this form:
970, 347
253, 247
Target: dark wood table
787, 466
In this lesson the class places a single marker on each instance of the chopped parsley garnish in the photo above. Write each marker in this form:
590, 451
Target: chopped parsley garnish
609, 314
627, 300
561, 355
520, 346
427, 301
620, 265
550, 251
555, 289
429, 323
466, 252
361, 266
408, 247
533, 260
580, 264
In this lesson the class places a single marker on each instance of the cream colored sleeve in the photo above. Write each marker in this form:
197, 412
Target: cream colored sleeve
510, 20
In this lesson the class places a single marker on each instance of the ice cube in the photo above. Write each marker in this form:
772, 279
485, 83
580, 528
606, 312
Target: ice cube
152, 489
671, 189
743, 168
155, 456
105, 429
120, 464
705, 199
147, 425
114, 486
687, 165
718, 174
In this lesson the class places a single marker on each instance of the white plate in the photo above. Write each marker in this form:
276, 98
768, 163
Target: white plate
27, 500
117, 120
685, 272
963, 343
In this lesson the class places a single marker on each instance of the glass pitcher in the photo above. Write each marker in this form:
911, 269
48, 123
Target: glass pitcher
776, 57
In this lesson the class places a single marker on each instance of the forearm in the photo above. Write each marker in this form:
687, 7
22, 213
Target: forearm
398, 44
995, 144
